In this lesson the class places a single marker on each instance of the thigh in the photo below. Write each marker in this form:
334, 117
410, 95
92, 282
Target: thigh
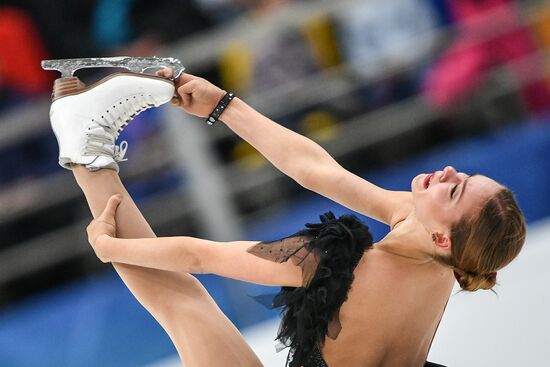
201, 333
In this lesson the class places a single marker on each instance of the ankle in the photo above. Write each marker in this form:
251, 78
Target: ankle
78, 167
82, 169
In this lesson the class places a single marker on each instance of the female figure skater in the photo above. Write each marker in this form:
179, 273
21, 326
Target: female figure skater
347, 302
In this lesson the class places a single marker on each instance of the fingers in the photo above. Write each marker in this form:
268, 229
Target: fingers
186, 91
189, 87
182, 79
185, 100
176, 101
165, 73
185, 78
110, 209
186, 84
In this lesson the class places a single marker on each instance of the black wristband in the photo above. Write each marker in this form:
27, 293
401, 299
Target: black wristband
222, 105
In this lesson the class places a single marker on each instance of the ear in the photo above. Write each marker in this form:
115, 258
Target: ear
442, 240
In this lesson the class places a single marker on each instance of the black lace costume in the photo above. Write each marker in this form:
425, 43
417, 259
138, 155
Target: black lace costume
328, 253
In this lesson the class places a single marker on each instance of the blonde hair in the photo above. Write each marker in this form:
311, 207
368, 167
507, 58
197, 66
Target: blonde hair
487, 242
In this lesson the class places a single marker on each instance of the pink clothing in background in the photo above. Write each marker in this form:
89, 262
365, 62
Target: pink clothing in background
490, 33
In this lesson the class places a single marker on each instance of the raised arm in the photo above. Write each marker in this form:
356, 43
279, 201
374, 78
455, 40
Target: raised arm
295, 155
312, 166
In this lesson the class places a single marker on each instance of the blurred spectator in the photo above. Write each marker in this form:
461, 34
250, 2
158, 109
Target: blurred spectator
272, 61
542, 24
288, 56
21, 52
140, 27
441, 9
380, 34
541, 28
385, 45
89, 28
490, 33
220, 10
63, 24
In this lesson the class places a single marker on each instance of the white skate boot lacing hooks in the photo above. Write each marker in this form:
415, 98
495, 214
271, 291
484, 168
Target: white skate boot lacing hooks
104, 129
121, 113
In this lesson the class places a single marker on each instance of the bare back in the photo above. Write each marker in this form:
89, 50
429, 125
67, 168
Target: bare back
392, 312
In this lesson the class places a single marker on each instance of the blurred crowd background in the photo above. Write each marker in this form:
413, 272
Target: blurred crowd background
390, 88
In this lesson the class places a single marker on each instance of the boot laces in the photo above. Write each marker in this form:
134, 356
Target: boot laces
100, 140
101, 135
120, 115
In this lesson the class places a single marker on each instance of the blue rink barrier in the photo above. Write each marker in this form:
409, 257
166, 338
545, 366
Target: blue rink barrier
97, 322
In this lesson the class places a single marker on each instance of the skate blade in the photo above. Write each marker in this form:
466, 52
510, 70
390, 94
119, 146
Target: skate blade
67, 67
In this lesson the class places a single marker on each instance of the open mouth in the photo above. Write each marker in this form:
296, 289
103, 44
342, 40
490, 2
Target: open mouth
427, 180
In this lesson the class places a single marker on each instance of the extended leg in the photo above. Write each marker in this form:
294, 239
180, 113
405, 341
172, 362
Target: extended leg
201, 333
87, 122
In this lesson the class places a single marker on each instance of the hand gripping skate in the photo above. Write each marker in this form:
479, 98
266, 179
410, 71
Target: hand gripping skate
87, 120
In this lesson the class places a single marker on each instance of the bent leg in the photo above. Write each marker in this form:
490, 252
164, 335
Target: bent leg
202, 334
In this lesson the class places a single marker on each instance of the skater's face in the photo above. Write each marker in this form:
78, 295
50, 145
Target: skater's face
444, 197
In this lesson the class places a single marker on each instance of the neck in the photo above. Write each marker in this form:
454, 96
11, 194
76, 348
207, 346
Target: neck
410, 240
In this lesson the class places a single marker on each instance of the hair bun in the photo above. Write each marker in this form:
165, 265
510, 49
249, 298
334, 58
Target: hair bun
472, 282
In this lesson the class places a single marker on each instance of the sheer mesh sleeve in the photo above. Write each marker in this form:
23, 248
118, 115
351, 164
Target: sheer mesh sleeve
290, 248
328, 253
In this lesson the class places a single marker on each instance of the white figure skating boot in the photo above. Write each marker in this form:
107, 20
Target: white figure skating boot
87, 120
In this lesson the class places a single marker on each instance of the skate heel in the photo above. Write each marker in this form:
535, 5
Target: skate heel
66, 86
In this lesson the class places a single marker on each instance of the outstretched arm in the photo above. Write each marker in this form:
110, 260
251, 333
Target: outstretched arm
187, 254
199, 256
295, 155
